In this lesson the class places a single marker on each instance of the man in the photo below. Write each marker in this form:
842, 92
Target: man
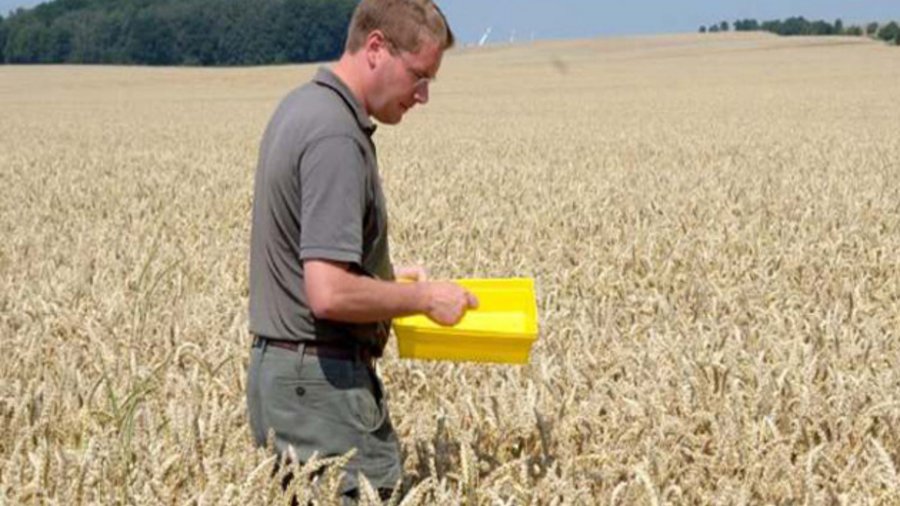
322, 287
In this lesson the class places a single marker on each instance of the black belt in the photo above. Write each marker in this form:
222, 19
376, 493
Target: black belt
318, 348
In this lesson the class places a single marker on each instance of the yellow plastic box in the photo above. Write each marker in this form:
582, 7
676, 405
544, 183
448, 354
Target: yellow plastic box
501, 330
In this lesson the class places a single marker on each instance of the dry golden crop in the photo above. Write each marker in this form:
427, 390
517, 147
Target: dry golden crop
713, 223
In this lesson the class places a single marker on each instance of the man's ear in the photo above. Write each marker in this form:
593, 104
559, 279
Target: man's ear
376, 47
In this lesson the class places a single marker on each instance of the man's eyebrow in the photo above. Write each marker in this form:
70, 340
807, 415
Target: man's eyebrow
424, 74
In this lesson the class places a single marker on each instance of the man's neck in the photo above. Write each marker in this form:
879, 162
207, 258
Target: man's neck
345, 70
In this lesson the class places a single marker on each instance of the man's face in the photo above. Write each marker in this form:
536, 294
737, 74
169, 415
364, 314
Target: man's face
403, 80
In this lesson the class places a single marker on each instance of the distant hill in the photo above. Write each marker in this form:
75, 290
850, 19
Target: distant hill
176, 32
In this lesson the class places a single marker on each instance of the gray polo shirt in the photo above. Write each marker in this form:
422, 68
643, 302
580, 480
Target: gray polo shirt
317, 195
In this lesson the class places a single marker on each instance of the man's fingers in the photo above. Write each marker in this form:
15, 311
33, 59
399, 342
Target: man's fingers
448, 302
421, 274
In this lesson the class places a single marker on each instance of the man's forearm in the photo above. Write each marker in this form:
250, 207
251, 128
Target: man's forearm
359, 299
336, 293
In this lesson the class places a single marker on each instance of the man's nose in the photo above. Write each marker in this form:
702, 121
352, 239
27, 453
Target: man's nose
421, 95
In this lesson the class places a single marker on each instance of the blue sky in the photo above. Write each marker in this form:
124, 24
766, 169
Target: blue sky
548, 19
592, 18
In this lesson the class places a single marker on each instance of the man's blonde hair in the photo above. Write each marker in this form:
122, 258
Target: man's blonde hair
403, 22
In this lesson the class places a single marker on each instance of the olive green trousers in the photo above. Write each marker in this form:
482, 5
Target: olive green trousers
324, 406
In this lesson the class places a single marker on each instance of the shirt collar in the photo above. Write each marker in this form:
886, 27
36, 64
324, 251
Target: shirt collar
326, 77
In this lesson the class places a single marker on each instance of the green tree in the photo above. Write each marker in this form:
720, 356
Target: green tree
28, 43
714, 29
60, 43
702, 29
773, 26
172, 32
197, 41
746, 25
819, 28
2, 40
723, 26
889, 32
150, 40
248, 37
311, 41
111, 38
795, 26
87, 41
854, 30
872, 29
838, 26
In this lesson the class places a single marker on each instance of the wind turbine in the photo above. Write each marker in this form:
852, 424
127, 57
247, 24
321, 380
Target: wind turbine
484, 37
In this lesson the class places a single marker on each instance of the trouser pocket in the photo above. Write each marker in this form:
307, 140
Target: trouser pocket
367, 410
359, 388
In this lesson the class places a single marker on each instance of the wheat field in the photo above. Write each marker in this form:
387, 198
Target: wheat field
713, 224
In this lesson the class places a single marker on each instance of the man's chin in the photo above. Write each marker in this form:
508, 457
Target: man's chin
392, 119
391, 116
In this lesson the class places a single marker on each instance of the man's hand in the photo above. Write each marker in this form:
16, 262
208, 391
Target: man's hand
411, 273
446, 303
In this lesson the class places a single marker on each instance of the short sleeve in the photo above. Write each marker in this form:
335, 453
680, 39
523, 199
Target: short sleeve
333, 200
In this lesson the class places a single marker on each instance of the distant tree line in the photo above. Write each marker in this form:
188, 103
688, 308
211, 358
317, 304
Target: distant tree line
889, 32
176, 32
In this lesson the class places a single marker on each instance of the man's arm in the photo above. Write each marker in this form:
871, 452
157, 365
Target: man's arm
335, 293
